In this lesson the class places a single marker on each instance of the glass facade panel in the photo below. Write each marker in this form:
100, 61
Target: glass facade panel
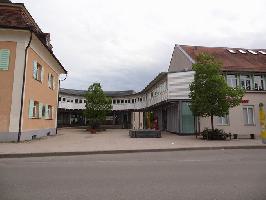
188, 124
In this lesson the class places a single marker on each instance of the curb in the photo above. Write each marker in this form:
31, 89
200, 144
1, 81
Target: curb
76, 153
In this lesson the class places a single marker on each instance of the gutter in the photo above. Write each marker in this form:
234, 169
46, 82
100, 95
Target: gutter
23, 84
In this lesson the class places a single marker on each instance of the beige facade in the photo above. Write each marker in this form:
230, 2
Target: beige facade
40, 92
11, 84
236, 118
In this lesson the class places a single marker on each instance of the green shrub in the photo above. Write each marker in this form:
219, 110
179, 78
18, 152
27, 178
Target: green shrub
216, 134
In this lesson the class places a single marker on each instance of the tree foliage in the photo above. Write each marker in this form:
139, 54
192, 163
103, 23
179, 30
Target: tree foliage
210, 95
98, 105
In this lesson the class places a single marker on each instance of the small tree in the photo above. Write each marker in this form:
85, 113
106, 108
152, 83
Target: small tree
97, 105
210, 95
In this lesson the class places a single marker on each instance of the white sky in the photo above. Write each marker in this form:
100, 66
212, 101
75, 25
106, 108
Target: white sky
124, 44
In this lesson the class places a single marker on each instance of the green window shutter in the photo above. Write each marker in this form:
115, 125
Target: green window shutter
54, 81
31, 108
49, 80
46, 112
40, 110
35, 69
42, 73
52, 112
4, 59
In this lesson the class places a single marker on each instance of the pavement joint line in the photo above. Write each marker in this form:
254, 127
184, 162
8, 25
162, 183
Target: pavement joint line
76, 153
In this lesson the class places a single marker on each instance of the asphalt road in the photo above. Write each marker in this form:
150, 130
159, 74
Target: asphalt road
210, 174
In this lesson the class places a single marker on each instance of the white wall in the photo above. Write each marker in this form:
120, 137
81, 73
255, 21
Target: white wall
178, 84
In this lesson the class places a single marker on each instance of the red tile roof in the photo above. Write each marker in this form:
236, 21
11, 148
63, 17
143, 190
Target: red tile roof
231, 61
16, 16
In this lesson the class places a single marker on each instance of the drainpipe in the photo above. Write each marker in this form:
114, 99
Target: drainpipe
23, 84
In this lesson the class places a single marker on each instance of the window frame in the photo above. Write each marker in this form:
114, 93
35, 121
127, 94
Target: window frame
261, 82
35, 111
245, 79
224, 119
247, 107
230, 80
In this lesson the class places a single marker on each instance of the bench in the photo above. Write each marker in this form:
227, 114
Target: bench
145, 133
246, 136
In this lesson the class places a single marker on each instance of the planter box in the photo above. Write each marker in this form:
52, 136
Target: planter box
145, 133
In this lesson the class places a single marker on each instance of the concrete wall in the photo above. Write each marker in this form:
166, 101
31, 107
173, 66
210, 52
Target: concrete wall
180, 61
178, 84
236, 120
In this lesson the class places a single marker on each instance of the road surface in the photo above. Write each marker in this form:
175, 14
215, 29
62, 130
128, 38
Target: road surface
210, 174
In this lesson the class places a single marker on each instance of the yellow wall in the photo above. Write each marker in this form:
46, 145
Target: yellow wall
38, 91
6, 86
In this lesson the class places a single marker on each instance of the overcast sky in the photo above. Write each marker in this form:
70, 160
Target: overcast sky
124, 44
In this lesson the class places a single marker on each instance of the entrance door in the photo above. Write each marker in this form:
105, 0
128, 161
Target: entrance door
188, 123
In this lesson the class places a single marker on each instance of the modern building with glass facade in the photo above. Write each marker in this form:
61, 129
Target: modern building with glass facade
164, 103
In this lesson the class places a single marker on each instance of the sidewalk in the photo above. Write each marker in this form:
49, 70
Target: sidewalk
78, 141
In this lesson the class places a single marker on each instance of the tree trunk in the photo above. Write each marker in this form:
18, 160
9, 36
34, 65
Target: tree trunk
212, 123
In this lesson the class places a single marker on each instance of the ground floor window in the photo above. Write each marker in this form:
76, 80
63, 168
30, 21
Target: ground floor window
223, 120
50, 112
248, 114
35, 113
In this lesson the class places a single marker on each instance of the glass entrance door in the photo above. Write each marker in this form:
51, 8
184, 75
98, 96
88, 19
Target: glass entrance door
187, 119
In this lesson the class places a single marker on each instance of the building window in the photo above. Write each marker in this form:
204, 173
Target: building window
231, 80
50, 112
35, 109
132, 100
85, 101
122, 101
117, 101
43, 111
76, 100
245, 81
223, 120
64, 99
72, 101
80, 101
37, 71
259, 83
4, 59
68, 100
51, 81
59, 99
248, 113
